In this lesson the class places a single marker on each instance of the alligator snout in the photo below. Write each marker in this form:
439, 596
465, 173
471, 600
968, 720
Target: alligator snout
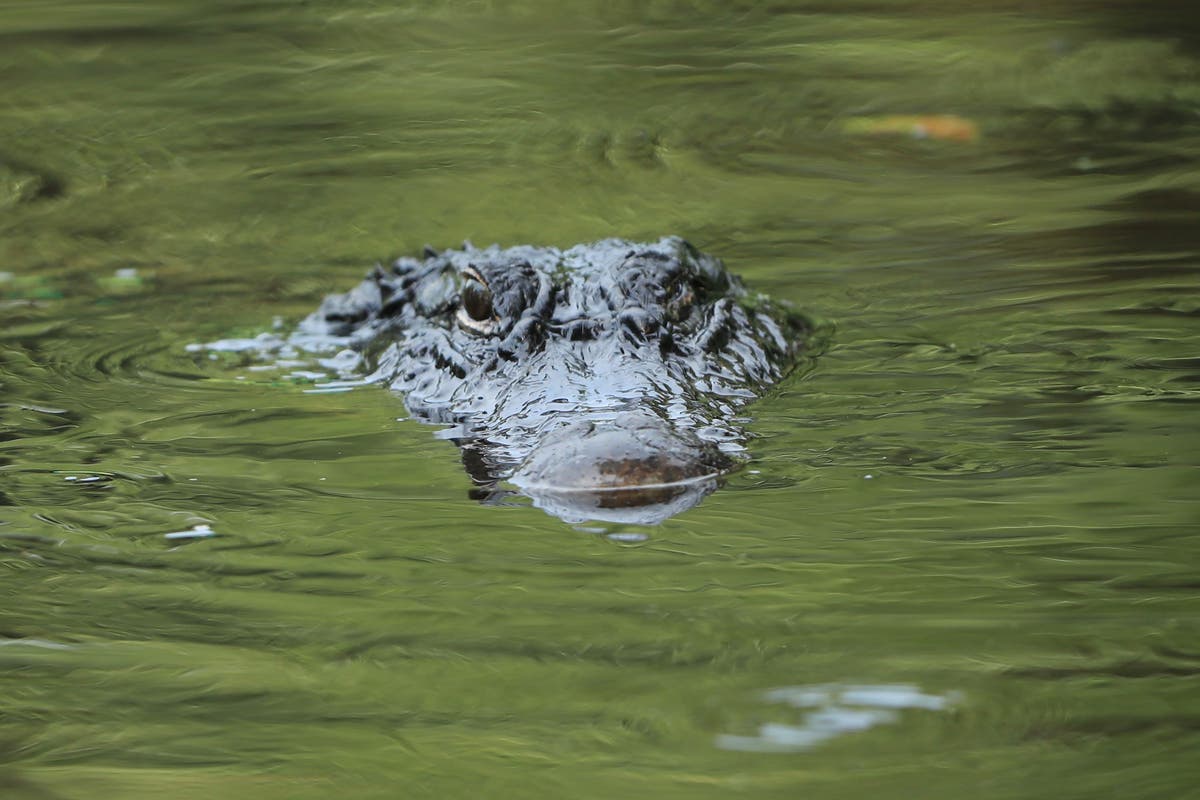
632, 467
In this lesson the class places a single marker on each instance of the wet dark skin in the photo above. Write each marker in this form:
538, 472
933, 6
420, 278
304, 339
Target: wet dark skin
601, 380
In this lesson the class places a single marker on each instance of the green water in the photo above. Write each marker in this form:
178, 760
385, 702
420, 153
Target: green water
986, 490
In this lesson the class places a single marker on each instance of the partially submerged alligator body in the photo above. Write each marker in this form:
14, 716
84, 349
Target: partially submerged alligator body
602, 381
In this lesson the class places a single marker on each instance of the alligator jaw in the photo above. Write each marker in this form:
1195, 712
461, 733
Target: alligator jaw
635, 467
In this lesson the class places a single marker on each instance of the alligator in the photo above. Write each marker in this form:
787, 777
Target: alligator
602, 381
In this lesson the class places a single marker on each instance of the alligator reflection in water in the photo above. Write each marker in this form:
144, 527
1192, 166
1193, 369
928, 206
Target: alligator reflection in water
600, 380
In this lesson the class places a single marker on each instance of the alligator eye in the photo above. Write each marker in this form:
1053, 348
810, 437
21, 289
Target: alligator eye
475, 312
477, 301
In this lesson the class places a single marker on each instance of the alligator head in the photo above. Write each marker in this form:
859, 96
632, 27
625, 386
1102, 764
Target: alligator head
602, 381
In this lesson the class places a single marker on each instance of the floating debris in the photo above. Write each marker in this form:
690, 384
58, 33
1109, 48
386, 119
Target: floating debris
943, 127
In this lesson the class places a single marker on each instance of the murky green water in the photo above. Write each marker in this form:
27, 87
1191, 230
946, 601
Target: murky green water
987, 491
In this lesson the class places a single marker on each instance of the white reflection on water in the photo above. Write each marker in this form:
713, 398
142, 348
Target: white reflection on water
194, 532
301, 353
833, 710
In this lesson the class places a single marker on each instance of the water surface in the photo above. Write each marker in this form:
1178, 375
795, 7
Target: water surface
962, 561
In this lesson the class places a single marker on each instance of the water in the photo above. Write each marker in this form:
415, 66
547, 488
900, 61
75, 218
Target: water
970, 533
